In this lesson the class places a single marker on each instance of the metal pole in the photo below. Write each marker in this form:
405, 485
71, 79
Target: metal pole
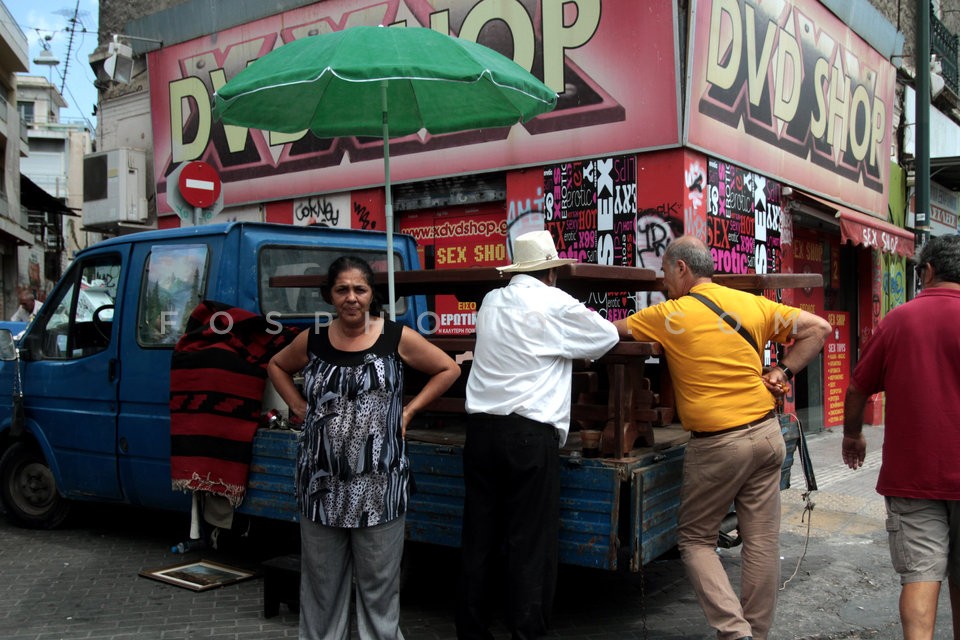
388, 208
922, 160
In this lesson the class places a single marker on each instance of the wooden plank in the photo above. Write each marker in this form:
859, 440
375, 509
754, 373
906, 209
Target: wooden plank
761, 282
578, 279
625, 348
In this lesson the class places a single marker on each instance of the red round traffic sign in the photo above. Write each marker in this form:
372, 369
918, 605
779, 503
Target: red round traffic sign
199, 184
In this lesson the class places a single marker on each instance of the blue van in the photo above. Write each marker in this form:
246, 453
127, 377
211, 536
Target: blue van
94, 365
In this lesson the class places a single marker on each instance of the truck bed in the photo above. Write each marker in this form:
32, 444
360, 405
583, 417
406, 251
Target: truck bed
599, 497
602, 499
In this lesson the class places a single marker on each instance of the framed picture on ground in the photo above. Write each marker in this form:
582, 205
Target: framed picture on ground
198, 576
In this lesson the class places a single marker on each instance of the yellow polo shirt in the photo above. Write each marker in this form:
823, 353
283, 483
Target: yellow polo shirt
715, 372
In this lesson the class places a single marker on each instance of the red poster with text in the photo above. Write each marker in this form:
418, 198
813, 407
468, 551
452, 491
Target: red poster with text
836, 367
808, 257
474, 236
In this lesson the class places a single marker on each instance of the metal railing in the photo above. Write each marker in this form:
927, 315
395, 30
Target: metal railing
944, 45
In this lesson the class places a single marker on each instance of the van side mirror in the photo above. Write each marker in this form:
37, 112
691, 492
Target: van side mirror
8, 348
29, 346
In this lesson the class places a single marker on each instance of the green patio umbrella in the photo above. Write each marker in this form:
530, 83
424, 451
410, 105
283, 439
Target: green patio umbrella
379, 81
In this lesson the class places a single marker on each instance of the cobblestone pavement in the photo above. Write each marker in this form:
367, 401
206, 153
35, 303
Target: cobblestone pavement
82, 581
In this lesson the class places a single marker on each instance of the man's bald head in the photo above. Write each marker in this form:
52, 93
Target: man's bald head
694, 253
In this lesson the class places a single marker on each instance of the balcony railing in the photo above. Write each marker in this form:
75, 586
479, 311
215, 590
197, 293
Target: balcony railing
944, 45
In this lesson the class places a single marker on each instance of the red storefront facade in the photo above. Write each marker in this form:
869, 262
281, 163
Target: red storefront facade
778, 118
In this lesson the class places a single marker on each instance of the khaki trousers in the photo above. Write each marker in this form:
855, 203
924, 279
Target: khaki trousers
740, 468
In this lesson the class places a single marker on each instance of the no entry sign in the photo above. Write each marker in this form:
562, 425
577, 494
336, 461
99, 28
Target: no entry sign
199, 184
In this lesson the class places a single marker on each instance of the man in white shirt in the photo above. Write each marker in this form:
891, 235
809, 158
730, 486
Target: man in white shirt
518, 398
29, 307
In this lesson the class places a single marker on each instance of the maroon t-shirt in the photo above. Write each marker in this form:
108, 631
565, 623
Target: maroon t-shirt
915, 358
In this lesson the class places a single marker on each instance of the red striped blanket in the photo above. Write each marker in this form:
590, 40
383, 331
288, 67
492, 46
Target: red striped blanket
217, 379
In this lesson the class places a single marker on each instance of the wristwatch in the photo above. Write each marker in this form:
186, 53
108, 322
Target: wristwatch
786, 370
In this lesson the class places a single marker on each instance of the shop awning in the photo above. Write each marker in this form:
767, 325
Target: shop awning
859, 228
34, 198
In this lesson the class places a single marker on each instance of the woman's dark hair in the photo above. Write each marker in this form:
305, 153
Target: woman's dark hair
346, 263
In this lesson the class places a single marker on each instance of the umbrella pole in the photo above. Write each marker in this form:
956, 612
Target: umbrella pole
388, 208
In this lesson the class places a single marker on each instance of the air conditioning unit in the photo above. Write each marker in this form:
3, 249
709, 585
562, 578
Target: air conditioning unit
114, 188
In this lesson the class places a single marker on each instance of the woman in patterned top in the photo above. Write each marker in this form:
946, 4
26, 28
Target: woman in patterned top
352, 468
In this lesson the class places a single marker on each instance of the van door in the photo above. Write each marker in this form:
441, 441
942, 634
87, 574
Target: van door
173, 277
70, 376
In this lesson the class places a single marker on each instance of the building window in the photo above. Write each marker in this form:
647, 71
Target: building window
25, 109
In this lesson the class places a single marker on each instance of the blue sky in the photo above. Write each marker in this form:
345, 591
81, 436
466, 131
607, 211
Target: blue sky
40, 19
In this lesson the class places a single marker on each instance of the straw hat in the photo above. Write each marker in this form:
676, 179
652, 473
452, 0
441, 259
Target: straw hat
535, 251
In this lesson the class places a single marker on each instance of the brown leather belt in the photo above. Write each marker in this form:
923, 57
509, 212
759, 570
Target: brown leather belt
708, 434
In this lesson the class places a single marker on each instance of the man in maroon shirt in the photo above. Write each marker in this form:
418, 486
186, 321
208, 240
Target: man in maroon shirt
914, 357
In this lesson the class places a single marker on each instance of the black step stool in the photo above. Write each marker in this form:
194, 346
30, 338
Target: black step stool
281, 583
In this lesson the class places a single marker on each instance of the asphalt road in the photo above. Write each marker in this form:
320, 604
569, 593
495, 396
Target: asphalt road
82, 581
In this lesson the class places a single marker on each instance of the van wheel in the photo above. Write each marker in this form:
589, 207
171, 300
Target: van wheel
28, 489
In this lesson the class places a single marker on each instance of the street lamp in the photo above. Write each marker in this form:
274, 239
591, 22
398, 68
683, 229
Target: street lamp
46, 57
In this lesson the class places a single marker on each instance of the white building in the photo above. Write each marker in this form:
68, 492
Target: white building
14, 230
55, 164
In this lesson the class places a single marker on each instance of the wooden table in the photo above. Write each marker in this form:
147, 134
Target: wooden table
624, 410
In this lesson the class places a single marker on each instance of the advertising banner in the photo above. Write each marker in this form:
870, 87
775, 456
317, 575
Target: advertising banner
591, 57
590, 209
836, 368
811, 254
455, 239
744, 219
786, 89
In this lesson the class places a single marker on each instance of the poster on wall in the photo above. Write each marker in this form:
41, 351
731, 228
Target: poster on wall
590, 209
809, 251
455, 239
743, 220
836, 367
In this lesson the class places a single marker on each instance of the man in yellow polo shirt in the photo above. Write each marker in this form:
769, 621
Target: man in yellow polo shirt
727, 403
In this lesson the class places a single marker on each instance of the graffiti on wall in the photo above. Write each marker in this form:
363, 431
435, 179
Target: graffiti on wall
590, 209
325, 211
524, 205
894, 281
743, 220
695, 180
